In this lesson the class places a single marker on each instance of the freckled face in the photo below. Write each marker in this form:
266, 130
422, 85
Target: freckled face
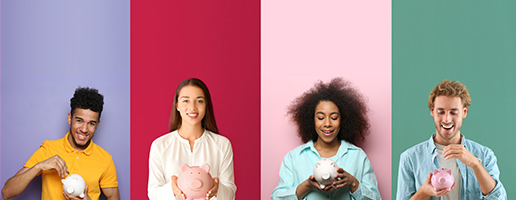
191, 105
83, 124
448, 113
327, 121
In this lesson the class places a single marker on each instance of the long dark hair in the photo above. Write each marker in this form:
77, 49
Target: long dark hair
208, 122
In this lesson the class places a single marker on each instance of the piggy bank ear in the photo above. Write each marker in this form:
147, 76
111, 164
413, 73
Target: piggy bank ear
184, 167
436, 171
206, 167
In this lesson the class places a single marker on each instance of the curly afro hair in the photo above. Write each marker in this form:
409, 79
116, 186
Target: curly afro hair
87, 98
354, 125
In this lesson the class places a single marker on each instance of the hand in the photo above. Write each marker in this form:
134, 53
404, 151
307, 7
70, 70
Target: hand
214, 190
428, 190
54, 162
178, 192
344, 179
86, 196
460, 152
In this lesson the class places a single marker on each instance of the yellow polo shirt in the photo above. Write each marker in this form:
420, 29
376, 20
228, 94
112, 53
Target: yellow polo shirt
94, 164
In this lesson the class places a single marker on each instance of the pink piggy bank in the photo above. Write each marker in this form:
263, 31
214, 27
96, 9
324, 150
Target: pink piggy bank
195, 181
442, 179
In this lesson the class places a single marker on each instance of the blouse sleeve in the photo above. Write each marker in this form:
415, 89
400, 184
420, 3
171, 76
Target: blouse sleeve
158, 186
286, 190
368, 187
227, 187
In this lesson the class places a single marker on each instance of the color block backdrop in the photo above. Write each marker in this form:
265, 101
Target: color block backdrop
216, 41
472, 42
307, 41
48, 49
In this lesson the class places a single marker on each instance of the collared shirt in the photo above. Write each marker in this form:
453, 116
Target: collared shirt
418, 161
170, 151
298, 165
94, 164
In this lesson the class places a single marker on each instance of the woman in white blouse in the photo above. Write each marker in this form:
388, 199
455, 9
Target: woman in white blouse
192, 140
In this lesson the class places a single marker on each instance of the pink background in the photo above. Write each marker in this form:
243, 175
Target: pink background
306, 41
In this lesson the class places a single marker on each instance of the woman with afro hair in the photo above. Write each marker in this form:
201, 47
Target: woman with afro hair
331, 119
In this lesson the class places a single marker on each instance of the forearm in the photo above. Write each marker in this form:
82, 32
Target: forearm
17, 184
303, 189
419, 196
485, 181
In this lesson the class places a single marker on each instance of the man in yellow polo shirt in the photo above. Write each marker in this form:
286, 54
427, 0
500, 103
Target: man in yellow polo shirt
74, 154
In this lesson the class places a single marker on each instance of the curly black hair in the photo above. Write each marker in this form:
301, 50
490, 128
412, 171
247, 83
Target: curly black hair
354, 125
87, 98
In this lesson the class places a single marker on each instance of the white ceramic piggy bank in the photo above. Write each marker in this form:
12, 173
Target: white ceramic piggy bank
324, 172
195, 181
442, 179
74, 185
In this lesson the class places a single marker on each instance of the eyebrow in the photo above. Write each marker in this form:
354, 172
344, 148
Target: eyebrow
453, 109
85, 120
330, 113
187, 97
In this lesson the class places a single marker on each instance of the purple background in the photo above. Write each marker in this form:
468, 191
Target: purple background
48, 48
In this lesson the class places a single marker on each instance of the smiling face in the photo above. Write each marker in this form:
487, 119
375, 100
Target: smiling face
448, 113
191, 105
327, 121
83, 124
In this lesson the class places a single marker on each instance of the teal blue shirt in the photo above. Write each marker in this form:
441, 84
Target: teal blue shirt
418, 161
298, 165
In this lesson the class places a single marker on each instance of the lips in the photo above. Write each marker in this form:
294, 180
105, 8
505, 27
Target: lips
82, 137
328, 132
447, 127
192, 115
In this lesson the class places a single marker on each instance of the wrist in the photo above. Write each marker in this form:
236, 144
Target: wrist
354, 186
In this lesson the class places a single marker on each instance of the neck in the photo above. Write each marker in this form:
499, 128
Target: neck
455, 140
327, 150
189, 132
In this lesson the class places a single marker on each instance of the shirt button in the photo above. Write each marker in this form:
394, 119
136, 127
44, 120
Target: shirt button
77, 158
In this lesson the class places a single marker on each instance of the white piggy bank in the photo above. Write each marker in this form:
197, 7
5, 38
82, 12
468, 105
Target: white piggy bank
324, 172
74, 185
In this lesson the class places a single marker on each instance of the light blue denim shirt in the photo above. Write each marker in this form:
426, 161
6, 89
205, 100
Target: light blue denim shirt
298, 165
418, 161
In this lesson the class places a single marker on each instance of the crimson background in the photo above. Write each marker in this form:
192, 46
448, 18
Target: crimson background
216, 41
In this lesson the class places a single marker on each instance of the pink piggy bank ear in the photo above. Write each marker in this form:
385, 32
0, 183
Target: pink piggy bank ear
206, 167
436, 171
184, 167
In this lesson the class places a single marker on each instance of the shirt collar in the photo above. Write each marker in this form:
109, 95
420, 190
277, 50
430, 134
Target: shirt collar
343, 148
70, 149
188, 142
431, 143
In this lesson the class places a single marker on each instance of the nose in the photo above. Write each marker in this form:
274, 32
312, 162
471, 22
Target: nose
327, 122
447, 117
84, 127
196, 184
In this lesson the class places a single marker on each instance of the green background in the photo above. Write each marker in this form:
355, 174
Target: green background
473, 42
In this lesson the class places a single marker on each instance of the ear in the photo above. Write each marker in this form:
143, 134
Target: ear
432, 112
206, 167
69, 118
184, 167
465, 112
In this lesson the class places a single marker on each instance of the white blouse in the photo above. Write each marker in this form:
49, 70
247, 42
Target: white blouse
170, 151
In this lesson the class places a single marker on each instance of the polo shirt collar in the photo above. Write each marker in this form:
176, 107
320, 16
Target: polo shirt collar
70, 149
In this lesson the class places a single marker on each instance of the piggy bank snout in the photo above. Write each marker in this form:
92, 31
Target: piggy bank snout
196, 183
325, 175
442, 180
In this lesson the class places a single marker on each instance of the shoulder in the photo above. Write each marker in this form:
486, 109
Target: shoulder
416, 149
294, 153
164, 140
53, 144
477, 149
101, 152
217, 139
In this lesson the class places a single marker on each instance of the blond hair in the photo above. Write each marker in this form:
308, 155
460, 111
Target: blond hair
450, 89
